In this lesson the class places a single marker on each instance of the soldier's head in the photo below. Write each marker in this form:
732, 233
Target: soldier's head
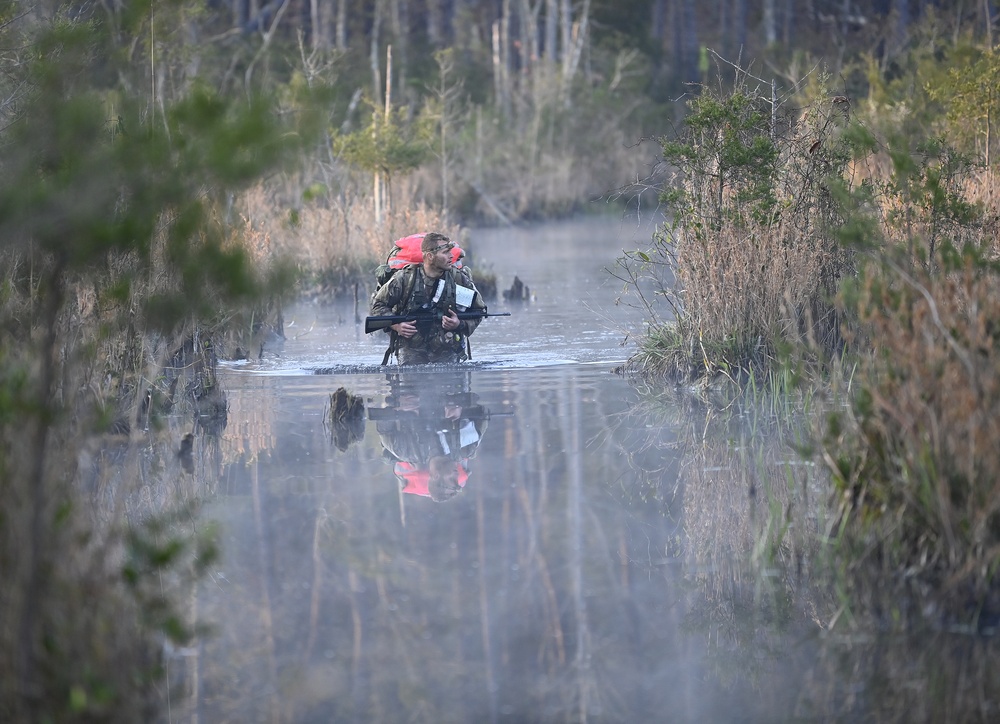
443, 482
433, 241
437, 249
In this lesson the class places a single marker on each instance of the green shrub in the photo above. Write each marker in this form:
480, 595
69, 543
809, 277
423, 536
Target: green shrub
749, 261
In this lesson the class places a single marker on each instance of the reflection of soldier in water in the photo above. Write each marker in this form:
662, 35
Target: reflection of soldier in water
431, 440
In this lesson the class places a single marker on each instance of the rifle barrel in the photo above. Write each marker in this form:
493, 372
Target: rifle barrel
381, 321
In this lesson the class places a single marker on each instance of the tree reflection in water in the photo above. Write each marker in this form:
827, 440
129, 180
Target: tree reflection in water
766, 589
606, 559
345, 597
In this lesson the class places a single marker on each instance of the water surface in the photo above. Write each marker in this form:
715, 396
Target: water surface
601, 560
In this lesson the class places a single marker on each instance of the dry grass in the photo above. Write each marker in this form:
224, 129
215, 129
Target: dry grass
753, 254
752, 288
335, 243
745, 294
917, 458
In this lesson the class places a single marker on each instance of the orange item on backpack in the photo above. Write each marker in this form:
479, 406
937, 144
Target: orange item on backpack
407, 251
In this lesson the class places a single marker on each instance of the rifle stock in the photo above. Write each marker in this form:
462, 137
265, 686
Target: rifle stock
382, 321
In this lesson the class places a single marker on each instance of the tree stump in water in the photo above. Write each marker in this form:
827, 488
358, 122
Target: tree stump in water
347, 418
518, 292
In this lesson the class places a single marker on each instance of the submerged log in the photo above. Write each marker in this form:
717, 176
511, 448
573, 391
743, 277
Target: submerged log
347, 418
518, 292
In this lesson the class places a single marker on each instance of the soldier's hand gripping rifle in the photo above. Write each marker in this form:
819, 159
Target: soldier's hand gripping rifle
421, 319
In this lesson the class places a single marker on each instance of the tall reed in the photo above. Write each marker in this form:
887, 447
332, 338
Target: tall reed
749, 261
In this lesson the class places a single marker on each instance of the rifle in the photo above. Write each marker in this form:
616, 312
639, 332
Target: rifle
382, 321
477, 412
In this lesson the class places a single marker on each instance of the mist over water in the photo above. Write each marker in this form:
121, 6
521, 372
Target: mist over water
597, 558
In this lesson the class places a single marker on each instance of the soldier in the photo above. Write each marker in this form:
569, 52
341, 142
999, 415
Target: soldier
432, 286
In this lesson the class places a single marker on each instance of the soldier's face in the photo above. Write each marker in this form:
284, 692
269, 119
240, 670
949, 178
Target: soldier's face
441, 258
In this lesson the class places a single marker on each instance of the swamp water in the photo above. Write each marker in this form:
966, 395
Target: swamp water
609, 556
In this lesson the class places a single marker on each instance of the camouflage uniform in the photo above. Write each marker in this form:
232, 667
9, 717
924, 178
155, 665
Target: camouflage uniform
430, 343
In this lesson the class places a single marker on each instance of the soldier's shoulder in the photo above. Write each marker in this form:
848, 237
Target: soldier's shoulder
406, 271
402, 276
464, 275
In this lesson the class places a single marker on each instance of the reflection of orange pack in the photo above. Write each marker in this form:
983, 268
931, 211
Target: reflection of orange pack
416, 478
407, 251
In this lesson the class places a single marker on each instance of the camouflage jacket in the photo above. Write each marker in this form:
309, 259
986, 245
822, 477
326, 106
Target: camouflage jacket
409, 291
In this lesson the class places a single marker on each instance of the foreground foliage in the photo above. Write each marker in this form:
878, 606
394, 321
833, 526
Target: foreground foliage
116, 265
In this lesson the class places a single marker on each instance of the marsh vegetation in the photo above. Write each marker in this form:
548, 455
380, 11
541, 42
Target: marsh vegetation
846, 249
175, 175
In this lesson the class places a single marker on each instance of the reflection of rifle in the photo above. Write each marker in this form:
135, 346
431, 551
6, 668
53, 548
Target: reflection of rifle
477, 412
373, 324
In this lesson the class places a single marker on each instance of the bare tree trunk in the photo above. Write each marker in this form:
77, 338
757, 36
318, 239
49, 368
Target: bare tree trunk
357, 638
676, 24
691, 42
373, 51
740, 18
902, 11
582, 673
551, 25
770, 23
239, 13
35, 555
658, 20
788, 22
380, 189
573, 50
536, 68
484, 606
725, 21
377, 178
266, 609
268, 36
448, 22
988, 18
529, 35
399, 13
446, 96
386, 188
319, 20
478, 164
314, 21
341, 36
316, 585
497, 69
501, 71
434, 19
565, 27
505, 60
194, 665
325, 30
989, 126
373, 56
